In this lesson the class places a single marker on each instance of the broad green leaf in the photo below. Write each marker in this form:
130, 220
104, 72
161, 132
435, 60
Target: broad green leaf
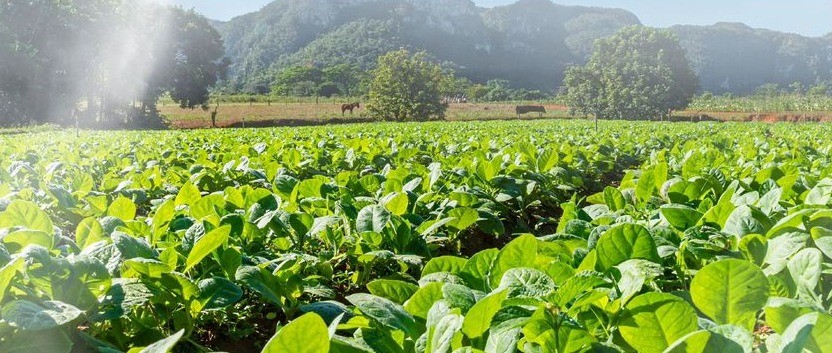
385, 312
625, 242
17, 240
821, 340
805, 269
646, 186
527, 282
824, 244
122, 208
397, 204
164, 214
420, 303
397, 291
503, 339
458, 296
323, 223
742, 337
217, 293
380, 340
310, 188
52, 341
207, 244
793, 223
754, 248
476, 269
429, 227
130, 247
719, 213
165, 345
705, 342
284, 185
568, 338
820, 194
781, 249
520, 252
442, 335
260, 281
373, 218
27, 215
463, 218
306, 334
681, 216
730, 292
797, 335
478, 319
8, 273
547, 160
654, 321
577, 285
148, 267
329, 310
464, 199
745, 220
634, 274
782, 312
490, 224
89, 231
29, 316
614, 199
207, 206
450, 264
188, 195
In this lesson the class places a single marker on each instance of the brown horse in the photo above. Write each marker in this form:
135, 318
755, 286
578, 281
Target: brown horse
349, 107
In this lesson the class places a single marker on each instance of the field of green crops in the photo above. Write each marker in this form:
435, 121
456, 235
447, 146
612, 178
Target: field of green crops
534, 237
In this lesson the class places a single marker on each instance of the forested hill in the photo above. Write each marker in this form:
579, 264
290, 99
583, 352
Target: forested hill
732, 57
529, 43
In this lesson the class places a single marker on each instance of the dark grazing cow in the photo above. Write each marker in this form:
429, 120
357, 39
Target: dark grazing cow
349, 107
524, 109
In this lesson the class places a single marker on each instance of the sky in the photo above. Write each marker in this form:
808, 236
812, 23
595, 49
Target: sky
806, 17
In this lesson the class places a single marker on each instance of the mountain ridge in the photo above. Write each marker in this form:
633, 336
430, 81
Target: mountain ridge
529, 42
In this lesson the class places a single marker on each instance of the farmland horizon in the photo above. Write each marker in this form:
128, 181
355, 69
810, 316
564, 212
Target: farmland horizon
803, 17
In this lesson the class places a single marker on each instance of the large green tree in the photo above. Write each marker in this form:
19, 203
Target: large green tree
312, 80
407, 87
639, 73
104, 61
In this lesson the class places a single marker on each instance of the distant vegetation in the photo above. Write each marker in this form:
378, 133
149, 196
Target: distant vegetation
639, 73
528, 44
308, 81
407, 87
345, 80
478, 44
769, 98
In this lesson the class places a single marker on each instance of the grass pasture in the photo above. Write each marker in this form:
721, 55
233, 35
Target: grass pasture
307, 112
310, 113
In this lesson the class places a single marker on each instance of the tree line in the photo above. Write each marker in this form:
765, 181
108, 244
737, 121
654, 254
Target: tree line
638, 73
347, 80
102, 62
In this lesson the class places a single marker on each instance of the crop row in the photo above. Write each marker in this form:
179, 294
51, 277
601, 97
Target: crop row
496, 237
